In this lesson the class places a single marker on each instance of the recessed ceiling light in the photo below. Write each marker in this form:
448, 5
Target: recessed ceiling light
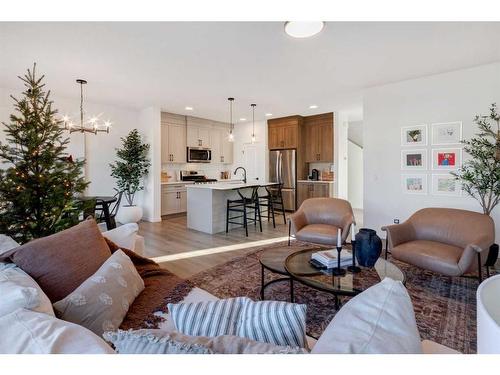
299, 29
269, 114
188, 108
243, 119
313, 106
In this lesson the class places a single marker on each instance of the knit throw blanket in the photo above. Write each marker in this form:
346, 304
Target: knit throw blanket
161, 287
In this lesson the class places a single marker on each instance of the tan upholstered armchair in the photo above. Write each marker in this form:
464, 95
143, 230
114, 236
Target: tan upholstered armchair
318, 219
444, 240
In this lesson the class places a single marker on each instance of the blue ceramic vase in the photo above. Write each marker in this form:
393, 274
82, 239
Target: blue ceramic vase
368, 247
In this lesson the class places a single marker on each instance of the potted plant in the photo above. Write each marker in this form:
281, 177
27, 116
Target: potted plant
480, 175
129, 171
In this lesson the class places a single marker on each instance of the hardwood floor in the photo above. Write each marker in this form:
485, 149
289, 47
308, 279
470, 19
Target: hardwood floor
186, 252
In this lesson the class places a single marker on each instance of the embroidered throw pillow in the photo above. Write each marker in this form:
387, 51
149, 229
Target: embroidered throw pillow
19, 290
102, 301
279, 323
207, 318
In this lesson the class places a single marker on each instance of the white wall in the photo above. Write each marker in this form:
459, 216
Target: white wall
100, 148
355, 175
340, 155
454, 96
242, 137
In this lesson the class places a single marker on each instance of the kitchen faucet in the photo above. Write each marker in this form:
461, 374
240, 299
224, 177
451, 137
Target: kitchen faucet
244, 174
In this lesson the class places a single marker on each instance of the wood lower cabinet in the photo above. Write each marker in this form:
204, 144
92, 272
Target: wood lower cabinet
306, 190
173, 199
283, 133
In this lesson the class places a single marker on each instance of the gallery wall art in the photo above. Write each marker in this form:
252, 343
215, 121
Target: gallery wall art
441, 159
414, 135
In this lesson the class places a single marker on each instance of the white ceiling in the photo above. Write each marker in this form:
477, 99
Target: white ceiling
173, 65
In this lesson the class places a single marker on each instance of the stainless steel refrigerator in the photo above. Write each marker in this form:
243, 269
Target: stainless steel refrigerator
283, 169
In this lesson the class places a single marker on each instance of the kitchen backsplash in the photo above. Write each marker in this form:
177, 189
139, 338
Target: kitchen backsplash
209, 170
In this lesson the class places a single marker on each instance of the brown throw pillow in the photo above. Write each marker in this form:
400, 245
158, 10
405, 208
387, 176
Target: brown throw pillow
61, 262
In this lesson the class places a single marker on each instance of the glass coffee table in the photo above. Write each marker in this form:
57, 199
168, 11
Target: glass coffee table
294, 265
298, 268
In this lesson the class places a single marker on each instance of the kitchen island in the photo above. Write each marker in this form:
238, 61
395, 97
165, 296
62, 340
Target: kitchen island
206, 203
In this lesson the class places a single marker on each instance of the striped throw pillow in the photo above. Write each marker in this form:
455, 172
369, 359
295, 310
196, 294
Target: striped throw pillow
209, 319
279, 323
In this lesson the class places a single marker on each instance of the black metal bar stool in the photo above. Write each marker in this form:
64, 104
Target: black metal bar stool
276, 196
244, 208
267, 206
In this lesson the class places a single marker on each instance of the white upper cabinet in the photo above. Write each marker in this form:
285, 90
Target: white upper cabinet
173, 138
198, 132
222, 149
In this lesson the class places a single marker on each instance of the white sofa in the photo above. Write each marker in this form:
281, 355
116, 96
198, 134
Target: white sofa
380, 329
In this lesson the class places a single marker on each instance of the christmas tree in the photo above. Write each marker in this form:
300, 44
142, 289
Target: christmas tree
39, 179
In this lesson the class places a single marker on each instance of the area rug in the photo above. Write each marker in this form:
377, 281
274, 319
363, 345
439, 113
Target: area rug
445, 307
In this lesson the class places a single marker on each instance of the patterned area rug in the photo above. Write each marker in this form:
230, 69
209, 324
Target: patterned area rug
445, 307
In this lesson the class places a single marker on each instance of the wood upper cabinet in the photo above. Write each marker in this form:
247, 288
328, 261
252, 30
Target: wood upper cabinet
173, 138
319, 138
284, 132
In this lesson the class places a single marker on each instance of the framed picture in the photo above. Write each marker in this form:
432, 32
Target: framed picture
446, 184
446, 158
414, 135
414, 183
414, 159
447, 133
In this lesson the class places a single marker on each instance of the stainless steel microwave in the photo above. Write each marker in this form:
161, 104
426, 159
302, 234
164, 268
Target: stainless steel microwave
199, 155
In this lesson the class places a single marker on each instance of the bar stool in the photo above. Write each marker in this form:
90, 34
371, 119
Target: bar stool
244, 208
273, 201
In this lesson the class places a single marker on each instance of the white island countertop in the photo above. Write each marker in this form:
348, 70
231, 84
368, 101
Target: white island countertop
232, 185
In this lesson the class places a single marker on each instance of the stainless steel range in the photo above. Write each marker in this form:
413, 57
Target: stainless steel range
196, 177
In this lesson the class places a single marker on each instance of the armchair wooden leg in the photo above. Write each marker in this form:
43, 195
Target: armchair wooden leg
386, 246
479, 271
289, 231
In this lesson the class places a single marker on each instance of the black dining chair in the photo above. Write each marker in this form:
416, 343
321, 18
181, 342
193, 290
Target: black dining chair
113, 210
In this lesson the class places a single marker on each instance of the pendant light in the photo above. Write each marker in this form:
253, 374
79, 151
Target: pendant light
253, 122
231, 125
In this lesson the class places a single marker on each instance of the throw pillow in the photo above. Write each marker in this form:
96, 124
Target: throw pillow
279, 323
124, 235
30, 332
18, 290
207, 318
6, 244
156, 341
102, 301
379, 321
61, 262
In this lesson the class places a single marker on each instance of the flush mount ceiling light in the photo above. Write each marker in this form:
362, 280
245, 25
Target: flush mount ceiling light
243, 119
188, 108
269, 114
301, 29
313, 106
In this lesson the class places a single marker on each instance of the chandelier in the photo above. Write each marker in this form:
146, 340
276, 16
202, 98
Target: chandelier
93, 125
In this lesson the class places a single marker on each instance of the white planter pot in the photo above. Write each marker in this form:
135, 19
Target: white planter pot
129, 214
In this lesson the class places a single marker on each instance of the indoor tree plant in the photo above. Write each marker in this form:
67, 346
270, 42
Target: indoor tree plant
40, 180
129, 171
480, 175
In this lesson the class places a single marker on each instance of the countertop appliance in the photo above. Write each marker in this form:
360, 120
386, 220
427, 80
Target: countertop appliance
314, 175
199, 155
196, 177
283, 169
